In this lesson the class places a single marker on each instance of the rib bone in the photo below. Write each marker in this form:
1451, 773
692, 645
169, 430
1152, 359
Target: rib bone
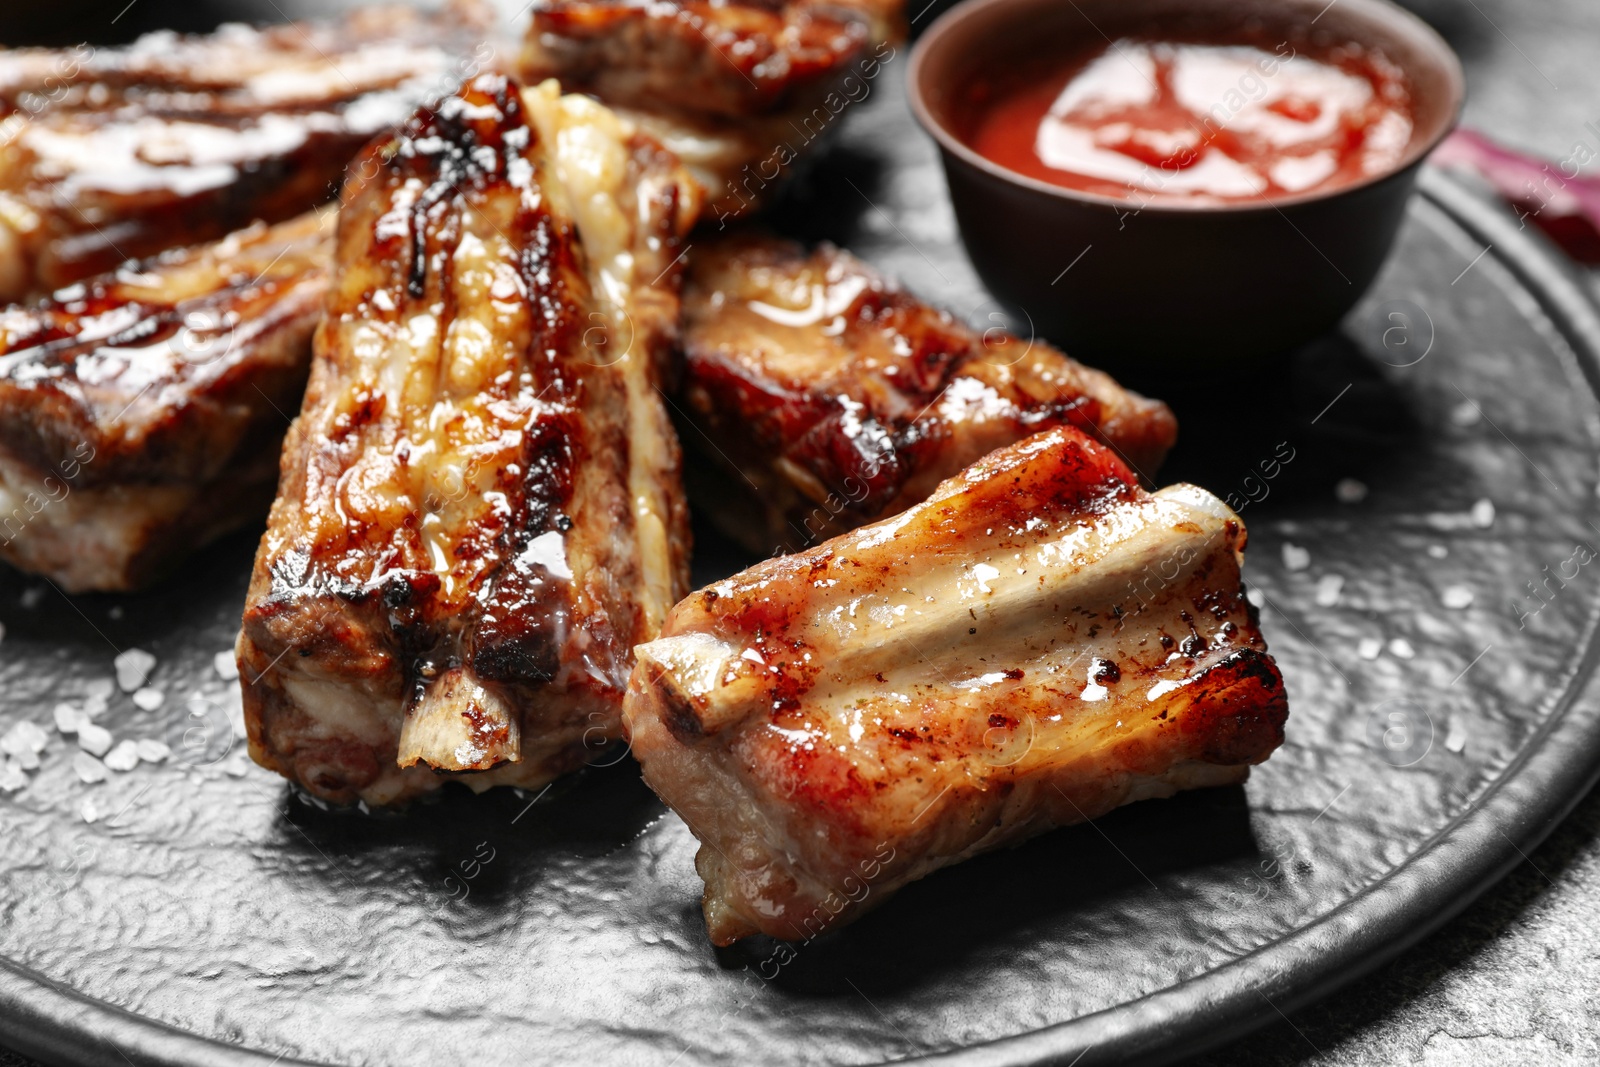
1037, 643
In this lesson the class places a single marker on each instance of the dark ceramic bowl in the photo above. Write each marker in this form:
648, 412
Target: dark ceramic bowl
1172, 280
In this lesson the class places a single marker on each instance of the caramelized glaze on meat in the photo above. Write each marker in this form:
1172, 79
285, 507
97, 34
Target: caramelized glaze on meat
118, 153
695, 57
738, 90
479, 513
839, 398
140, 412
1037, 643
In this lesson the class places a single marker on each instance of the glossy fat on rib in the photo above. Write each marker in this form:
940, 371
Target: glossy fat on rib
1036, 644
141, 412
740, 91
822, 395
479, 513
112, 153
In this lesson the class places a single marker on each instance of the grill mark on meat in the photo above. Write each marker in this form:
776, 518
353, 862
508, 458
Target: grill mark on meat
847, 399
957, 678
177, 140
465, 559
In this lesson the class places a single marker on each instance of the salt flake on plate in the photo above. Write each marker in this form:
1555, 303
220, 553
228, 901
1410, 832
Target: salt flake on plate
153, 751
97, 697
1328, 588
1369, 648
124, 757
226, 665
133, 668
94, 739
88, 769
11, 778
1456, 597
1296, 558
67, 718
1483, 514
149, 698
1400, 648
25, 735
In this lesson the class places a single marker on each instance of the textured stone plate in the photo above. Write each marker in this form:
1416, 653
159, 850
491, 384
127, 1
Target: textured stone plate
1437, 635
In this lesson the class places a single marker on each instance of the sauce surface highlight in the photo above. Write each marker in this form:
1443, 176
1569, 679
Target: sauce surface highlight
1200, 122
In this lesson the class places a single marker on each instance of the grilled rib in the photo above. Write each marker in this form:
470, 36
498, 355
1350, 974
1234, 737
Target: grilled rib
140, 412
479, 512
835, 397
119, 153
1036, 644
738, 90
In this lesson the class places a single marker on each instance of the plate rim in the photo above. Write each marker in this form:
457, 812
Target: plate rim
54, 1023
1551, 772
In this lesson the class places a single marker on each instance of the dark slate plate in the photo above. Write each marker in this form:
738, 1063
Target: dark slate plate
206, 916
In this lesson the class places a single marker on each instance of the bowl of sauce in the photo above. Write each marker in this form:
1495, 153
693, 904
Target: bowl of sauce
1153, 179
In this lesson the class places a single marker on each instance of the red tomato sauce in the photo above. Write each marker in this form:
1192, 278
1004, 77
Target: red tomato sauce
1197, 122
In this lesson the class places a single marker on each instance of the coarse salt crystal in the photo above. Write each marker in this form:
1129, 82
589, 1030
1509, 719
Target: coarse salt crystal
88, 769
1456, 739
1369, 647
124, 757
25, 735
11, 777
1465, 413
31, 596
1296, 558
1456, 597
67, 718
89, 810
1400, 648
149, 698
94, 739
1438, 551
226, 665
27, 759
153, 751
1483, 514
97, 697
133, 668
1255, 596
1328, 589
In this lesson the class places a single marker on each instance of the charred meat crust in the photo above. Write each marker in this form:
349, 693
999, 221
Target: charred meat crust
172, 141
1040, 641
141, 412
732, 60
732, 88
169, 368
847, 399
478, 513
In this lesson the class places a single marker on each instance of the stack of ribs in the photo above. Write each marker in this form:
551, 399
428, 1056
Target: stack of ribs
480, 525
142, 403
